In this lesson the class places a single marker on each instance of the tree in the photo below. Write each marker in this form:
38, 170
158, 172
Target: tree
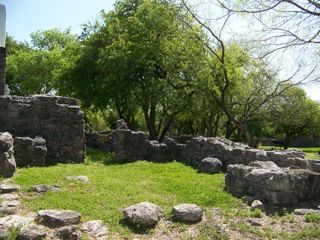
239, 82
34, 69
294, 113
143, 57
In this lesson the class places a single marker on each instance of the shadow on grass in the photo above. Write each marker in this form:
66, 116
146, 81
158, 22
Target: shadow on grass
137, 229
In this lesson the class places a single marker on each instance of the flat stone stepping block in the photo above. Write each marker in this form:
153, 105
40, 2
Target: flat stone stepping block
59, 218
42, 188
15, 221
14, 203
9, 188
4, 234
144, 214
68, 233
5, 210
95, 229
32, 232
79, 178
9, 196
186, 212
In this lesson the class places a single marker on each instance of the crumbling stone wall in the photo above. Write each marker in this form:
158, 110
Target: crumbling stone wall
7, 161
58, 120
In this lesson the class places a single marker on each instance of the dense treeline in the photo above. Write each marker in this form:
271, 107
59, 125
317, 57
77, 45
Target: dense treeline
151, 63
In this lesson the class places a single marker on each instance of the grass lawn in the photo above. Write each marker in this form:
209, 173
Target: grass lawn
114, 186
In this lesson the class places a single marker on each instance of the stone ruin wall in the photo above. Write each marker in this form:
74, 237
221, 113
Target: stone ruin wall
277, 177
58, 120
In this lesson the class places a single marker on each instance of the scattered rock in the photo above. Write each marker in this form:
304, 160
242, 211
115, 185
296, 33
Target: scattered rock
145, 214
9, 188
45, 188
4, 233
14, 203
15, 221
256, 204
265, 165
7, 161
95, 229
210, 165
187, 212
58, 218
255, 222
9, 196
68, 233
303, 211
5, 210
32, 232
79, 178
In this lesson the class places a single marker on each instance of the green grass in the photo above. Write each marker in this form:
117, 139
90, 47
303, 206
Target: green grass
114, 186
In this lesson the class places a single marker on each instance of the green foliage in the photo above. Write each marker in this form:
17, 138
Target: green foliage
256, 213
312, 218
13, 233
36, 69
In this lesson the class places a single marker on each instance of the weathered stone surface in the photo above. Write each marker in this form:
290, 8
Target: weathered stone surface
95, 229
15, 221
9, 196
210, 165
30, 152
79, 178
145, 214
304, 211
14, 203
281, 187
58, 120
7, 160
59, 218
42, 188
4, 233
9, 188
255, 222
5, 210
189, 213
314, 165
264, 165
103, 141
256, 204
32, 232
68, 233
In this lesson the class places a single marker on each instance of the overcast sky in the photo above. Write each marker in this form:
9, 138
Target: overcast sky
27, 16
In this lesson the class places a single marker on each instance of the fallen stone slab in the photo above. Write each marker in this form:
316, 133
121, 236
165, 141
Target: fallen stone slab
4, 233
14, 203
189, 213
210, 165
144, 213
255, 222
9, 188
304, 211
42, 188
15, 221
32, 232
95, 229
5, 210
68, 233
79, 178
59, 218
9, 196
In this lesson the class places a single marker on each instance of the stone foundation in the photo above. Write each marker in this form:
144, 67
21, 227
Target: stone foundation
7, 161
58, 120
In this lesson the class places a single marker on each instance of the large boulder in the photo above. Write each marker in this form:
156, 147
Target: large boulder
144, 214
210, 165
277, 186
189, 213
30, 152
7, 160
